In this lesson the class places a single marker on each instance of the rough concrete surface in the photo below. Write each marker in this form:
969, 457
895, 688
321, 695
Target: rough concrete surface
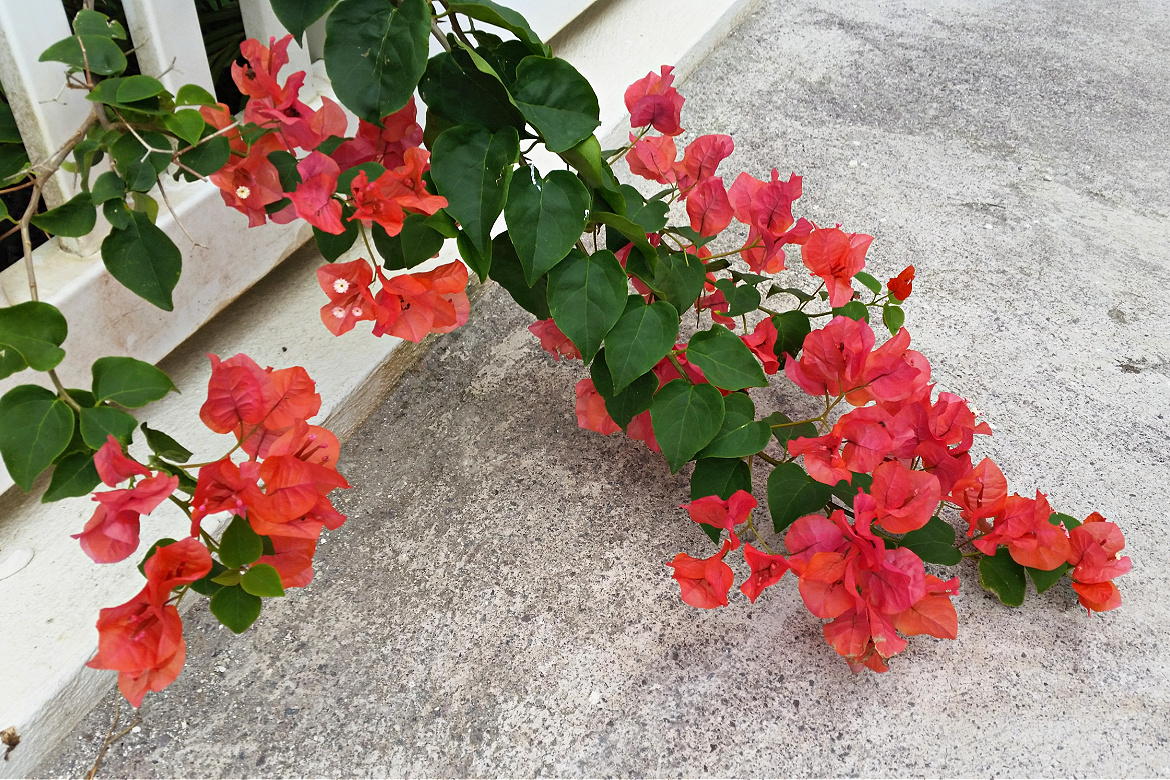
497, 603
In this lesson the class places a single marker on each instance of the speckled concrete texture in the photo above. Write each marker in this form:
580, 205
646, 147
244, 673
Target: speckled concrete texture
497, 603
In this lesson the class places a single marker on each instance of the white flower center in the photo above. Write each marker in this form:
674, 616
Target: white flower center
340, 285
339, 312
242, 192
357, 311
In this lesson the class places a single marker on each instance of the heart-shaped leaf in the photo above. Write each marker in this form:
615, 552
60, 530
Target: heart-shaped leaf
726, 361
640, 338
586, 296
792, 494
35, 427
471, 168
685, 418
741, 433
375, 53
545, 217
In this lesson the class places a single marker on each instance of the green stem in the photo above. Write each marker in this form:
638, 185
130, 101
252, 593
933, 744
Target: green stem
769, 459
677, 365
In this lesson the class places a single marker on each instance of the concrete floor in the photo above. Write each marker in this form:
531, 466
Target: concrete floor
497, 603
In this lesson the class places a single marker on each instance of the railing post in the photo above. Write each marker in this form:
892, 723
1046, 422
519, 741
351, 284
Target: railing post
168, 42
46, 112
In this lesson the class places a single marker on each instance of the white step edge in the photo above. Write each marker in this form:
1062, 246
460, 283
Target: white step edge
49, 607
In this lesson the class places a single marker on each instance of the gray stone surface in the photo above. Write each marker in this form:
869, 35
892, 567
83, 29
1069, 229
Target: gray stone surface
497, 603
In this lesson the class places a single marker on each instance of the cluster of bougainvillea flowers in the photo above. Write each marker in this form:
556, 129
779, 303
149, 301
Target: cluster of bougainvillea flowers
278, 495
371, 183
863, 518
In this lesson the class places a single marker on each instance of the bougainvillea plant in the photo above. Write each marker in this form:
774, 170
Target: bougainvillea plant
676, 336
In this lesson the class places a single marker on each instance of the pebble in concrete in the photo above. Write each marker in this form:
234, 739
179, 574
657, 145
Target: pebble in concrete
497, 603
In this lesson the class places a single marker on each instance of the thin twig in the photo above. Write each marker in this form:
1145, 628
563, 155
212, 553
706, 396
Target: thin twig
162, 191
111, 738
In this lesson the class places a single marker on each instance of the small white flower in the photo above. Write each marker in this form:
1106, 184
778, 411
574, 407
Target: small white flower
339, 312
242, 192
357, 311
340, 285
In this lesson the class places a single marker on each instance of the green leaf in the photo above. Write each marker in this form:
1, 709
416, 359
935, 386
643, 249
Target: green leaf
650, 215
471, 168
164, 446
332, 246
508, 272
89, 22
13, 159
458, 90
1068, 521
74, 476
101, 54
144, 259
799, 294
791, 329
934, 543
752, 279
138, 87
108, 186
847, 491
207, 586
187, 124
35, 427
236, 608
36, 331
720, 477
500, 16
129, 382
375, 54
792, 494
286, 168
1043, 580
635, 399
639, 339
11, 361
893, 317
741, 433
479, 262
726, 361
867, 279
586, 296
854, 310
557, 100
128, 151
685, 418
209, 156
417, 242
545, 217
741, 299
1003, 576
786, 432
100, 422
194, 95
117, 213
642, 264
239, 545
9, 132
679, 279
262, 580
298, 15
74, 218
228, 577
